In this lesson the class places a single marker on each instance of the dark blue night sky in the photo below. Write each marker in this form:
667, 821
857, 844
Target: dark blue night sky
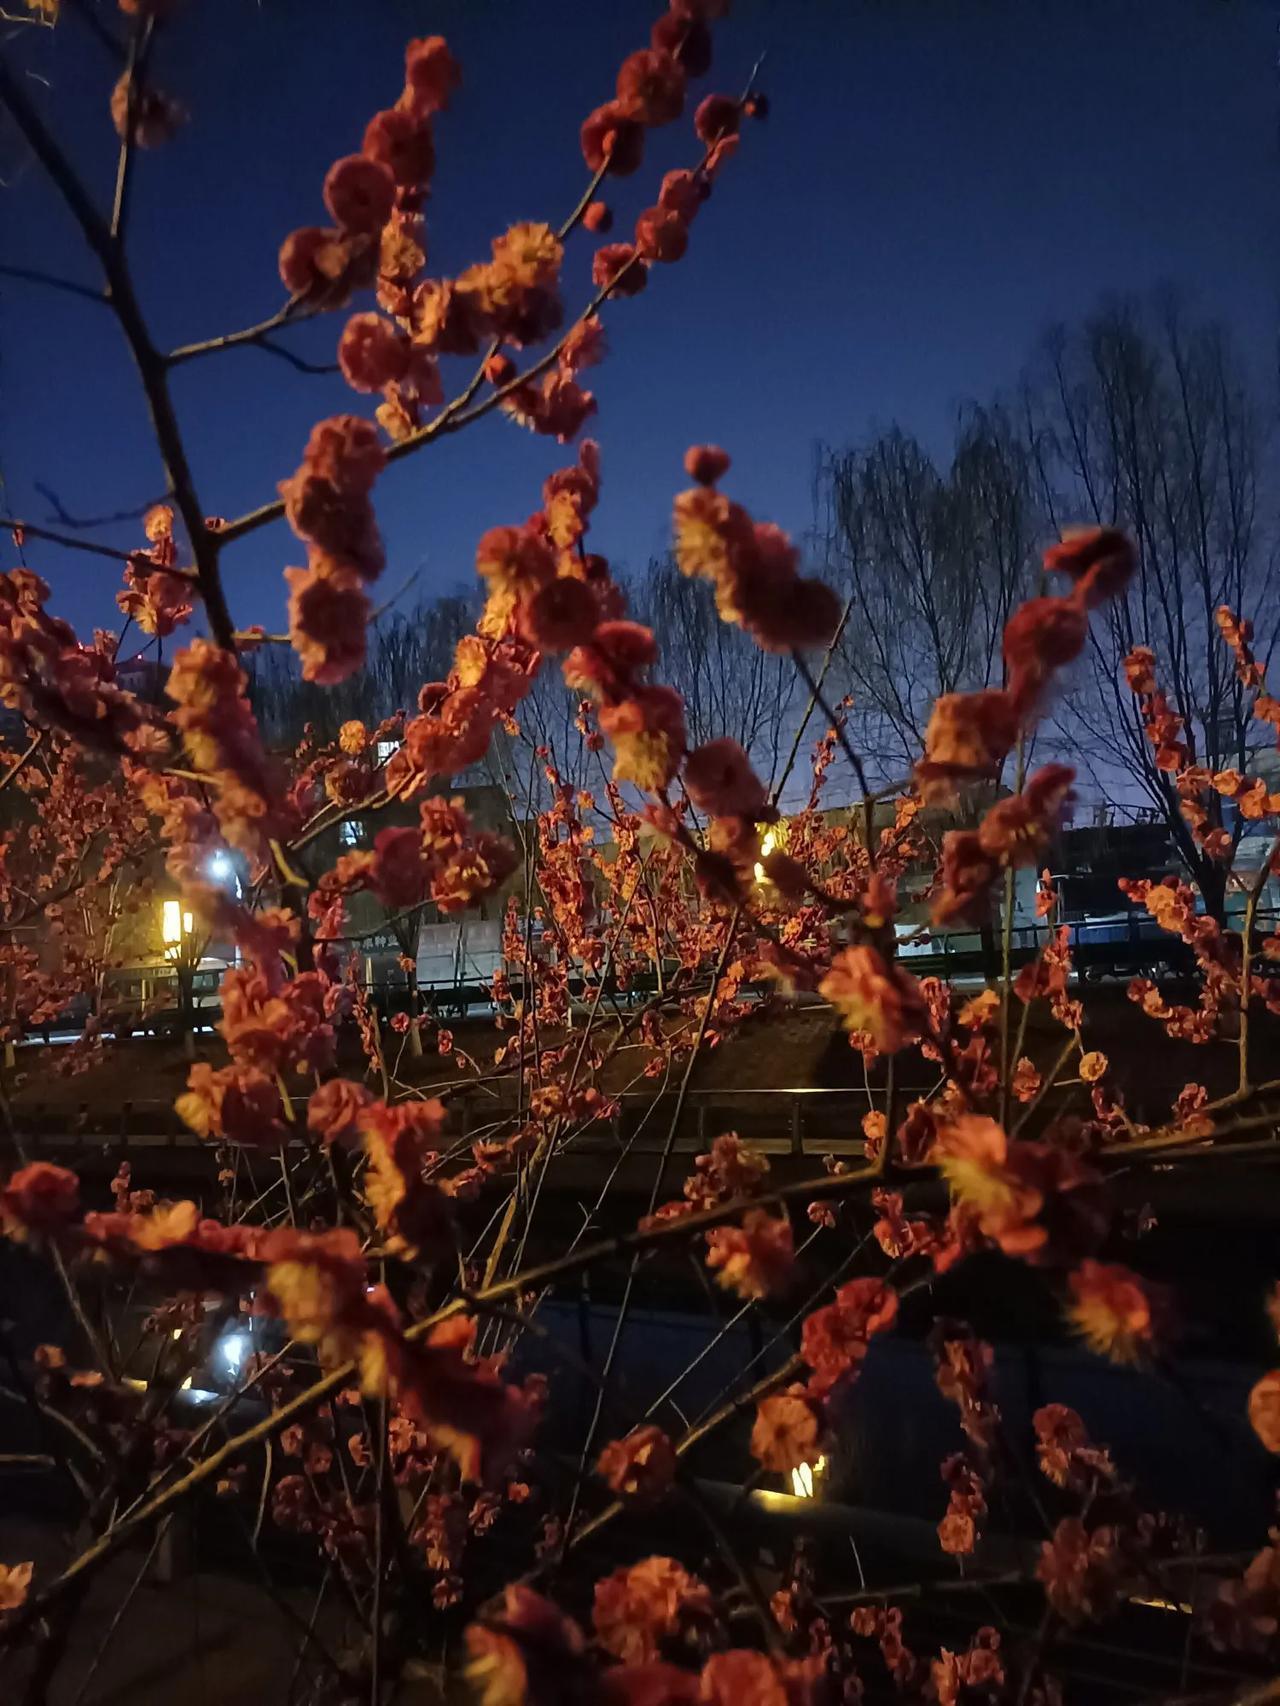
938, 181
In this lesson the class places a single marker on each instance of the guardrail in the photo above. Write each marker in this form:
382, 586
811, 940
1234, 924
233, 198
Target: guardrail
1122, 946
793, 1120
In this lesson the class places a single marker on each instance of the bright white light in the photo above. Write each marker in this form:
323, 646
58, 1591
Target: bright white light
177, 1333
803, 1477
220, 865
233, 1348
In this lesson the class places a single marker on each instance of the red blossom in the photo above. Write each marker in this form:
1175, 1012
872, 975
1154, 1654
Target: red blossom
339, 523
618, 267
526, 1655
754, 1259
967, 737
639, 1467
641, 1605
651, 87
155, 116
15, 1581
1081, 1571
1115, 1311
966, 1505
1017, 831
730, 1169
345, 452
742, 1677
371, 352
1264, 1410
1041, 636
967, 872
401, 141
1065, 1453
874, 998
1100, 560
1033, 1199
39, 1197
648, 734
684, 192
721, 782
328, 614
398, 874
335, 1110
220, 732
787, 1431
560, 615
685, 36
706, 463
237, 1104
612, 134
431, 75
717, 117
359, 193
325, 265
446, 320
834, 1339
661, 235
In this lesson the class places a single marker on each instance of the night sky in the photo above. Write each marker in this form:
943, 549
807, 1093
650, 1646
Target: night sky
938, 181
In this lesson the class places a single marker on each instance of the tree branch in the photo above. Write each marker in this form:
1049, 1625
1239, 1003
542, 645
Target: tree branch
32, 532
51, 281
147, 359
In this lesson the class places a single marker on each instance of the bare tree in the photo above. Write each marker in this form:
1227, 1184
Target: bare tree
1142, 419
933, 562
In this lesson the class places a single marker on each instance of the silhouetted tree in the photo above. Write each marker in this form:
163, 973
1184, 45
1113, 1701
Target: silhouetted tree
1142, 418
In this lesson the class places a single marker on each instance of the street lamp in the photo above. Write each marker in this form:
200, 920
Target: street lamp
175, 925
805, 1478
768, 841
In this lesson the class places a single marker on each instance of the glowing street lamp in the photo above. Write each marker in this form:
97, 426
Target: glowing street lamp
175, 926
804, 1478
768, 841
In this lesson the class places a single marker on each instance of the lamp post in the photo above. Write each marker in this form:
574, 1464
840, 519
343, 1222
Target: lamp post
176, 926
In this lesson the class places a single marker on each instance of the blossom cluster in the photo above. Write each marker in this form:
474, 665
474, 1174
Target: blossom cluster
220, 733
969, 735
834, 1341
57, 682
442, 859
752, 567
375, 197
155, 598
317, 1284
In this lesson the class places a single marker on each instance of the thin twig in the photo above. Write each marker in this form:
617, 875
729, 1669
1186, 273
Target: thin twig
31, 531
846, 746
51, 281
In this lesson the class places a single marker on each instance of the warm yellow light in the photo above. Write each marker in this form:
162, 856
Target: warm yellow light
803, 1477
767, 844
171, 922
186, 923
